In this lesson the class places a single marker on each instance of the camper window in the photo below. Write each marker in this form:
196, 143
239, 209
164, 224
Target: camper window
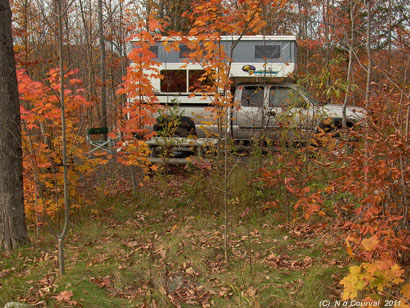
173, 81
267, 51
197, 80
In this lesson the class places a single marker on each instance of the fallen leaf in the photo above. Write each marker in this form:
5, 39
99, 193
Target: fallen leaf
4, 273
251, 291
406, 291
370, 244
64, 296
132, 244
162, 252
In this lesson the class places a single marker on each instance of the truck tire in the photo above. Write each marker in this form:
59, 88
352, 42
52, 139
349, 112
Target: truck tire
333, 130
335, 126
185, 128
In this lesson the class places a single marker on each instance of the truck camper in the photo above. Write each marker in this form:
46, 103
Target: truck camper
267, 101
252, 58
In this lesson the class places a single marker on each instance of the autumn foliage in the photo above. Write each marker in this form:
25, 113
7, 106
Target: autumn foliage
356, 187
140, 107
41, 123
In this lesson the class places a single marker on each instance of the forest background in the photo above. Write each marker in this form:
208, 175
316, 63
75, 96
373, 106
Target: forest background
356, 200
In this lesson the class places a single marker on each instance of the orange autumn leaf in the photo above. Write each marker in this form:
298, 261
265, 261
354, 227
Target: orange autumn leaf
405, 291
370, 244
64, 296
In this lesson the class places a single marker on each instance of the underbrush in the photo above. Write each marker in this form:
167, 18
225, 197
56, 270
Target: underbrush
163, 247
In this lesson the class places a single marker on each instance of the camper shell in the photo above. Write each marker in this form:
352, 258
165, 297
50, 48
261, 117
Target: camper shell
255, 59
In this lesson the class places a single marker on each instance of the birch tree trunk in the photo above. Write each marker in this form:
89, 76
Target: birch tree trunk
63, 233
352, 7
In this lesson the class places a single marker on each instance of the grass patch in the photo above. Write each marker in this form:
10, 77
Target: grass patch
164, 245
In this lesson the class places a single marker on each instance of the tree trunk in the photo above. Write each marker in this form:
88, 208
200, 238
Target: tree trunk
104, 121
369, 55
63, 233
352, 8
13, 228
327, 42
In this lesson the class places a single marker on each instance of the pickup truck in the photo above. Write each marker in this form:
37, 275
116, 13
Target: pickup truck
268, 105
272, 111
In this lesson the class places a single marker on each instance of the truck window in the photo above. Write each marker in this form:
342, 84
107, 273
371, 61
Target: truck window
267, 51
285, 97
252, 96
173, 81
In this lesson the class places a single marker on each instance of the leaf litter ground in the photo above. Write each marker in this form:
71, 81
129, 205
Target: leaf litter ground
161, 248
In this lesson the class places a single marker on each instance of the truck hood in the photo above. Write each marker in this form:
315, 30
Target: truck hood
336, 111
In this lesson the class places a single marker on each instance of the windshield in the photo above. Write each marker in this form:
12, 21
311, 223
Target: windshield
308, 96
286, 97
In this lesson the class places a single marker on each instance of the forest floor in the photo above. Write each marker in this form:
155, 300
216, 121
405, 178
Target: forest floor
164, 247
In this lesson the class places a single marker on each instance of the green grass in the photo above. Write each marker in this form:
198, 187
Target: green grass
172, 231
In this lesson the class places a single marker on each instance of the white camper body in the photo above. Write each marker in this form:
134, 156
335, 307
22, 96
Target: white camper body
254, 57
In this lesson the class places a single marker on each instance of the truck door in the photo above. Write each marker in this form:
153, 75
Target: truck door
291, 111
248, 119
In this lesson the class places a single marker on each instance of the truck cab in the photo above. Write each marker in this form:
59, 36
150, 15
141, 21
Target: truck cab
268, 109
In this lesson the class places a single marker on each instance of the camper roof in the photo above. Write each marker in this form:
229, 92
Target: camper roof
237, 37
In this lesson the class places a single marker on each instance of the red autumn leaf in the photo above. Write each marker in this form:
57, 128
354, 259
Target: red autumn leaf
75, 81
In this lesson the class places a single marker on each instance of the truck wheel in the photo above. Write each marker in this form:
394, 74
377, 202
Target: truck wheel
329, 130
186, 128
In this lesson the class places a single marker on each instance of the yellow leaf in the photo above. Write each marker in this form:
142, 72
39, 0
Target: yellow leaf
354, 270
395, 274
370, 244
406, 291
